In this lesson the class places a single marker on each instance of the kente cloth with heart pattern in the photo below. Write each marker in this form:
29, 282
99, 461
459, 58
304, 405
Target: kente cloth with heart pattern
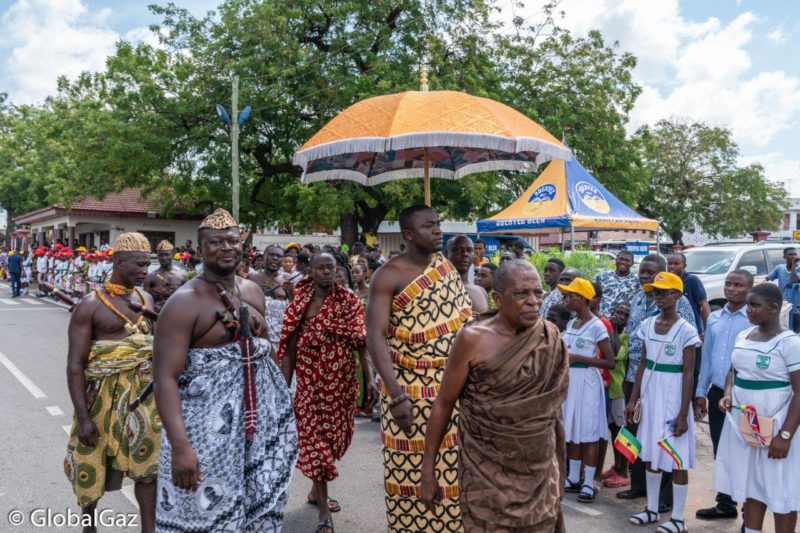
512, 449
425, 318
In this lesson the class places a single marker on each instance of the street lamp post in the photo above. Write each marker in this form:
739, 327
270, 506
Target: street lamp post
234, 121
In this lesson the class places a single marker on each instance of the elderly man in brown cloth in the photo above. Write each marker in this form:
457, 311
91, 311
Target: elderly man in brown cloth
167, 279
509, 371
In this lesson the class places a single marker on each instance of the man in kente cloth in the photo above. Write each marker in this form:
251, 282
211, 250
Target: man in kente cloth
109, 370
230, 442
324, 324
509, 372
166, 280
417, 304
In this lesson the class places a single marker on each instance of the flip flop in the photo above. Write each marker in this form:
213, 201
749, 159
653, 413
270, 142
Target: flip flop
333, 504
324, 523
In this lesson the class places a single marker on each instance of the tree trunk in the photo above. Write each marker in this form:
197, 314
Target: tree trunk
676, 236
349, 226
10, 226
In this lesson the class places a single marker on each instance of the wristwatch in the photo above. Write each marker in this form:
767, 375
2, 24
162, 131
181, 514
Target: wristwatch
786, 435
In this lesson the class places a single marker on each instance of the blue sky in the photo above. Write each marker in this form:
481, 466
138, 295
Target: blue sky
733, 63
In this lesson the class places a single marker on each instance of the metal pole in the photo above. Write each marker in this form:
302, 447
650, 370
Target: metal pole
427, 180
235, 146
571, 236
658, 239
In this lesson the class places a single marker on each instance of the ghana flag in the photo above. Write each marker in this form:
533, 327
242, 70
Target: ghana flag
627, 445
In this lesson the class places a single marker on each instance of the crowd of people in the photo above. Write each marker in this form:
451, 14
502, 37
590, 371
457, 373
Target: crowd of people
499, 392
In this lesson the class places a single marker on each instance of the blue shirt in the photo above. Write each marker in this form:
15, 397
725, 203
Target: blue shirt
723, 327
784, 277
695, 292
15, 264
640, 309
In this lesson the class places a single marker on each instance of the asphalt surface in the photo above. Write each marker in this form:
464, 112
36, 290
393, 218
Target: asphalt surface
36, 413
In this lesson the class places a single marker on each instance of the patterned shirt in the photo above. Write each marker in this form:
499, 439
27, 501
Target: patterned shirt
552, 298
616, 289
640, 310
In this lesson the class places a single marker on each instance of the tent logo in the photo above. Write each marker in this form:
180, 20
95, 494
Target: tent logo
540, 199
592, 197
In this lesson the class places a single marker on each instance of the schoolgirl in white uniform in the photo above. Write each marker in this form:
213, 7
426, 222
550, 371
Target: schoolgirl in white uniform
766, 375
664, 382
584, 410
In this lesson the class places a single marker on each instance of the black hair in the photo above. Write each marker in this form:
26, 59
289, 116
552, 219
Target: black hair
658, 260
557, 261
771, 293
506, 271
490, 266
347, 274
406, 217
303, 258
560, 311
745, 274
274, 246
625, 252
787, 249
598, 289
373, 264
681, 255
480, 241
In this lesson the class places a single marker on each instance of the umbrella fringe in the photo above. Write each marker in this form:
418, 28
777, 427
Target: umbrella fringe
545, 150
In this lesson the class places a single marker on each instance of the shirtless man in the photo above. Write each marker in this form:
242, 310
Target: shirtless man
109, 365
417, 304
230, 431
461, 252
166, 280
269, 278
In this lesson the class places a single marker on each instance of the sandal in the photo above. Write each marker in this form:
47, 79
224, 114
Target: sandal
645, 517
332, 504
572, 487
587, 494
325, 523
672, 526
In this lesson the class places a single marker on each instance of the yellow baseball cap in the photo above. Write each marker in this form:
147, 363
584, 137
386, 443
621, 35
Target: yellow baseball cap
666, 281
579, 286
294, 245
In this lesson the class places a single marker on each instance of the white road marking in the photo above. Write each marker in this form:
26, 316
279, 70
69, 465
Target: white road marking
22, 378
31, 301
128, 492
28, 309
54, 410
581, 508
67, 429
8, 301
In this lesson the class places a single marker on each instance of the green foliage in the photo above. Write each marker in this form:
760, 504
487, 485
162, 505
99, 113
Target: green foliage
693, 182
585, 261
148, 120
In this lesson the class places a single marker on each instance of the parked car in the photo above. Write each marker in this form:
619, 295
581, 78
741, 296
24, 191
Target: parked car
712, 263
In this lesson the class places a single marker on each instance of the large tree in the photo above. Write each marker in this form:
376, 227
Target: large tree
148, 119
693, 182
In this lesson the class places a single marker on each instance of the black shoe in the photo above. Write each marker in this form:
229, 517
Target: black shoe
631, 494
713, 513
664, 508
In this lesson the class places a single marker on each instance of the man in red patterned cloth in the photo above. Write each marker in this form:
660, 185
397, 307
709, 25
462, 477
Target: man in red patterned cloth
323, 326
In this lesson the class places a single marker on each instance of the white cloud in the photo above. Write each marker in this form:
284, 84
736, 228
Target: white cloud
50, 38
777, 37
45, 39
700, 70
778, 168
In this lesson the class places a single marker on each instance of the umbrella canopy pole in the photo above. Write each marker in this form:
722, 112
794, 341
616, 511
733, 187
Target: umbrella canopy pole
427, 179
571, 236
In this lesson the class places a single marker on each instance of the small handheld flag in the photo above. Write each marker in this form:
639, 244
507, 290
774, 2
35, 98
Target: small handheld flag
665, 445
627, 445
750, 413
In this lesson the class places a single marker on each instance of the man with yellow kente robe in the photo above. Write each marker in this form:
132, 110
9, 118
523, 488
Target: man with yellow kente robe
115, 429
417, 304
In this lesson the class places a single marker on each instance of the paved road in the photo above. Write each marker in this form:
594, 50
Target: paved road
36, 413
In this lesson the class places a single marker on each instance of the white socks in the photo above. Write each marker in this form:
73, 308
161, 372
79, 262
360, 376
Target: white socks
574, 471
653, 488
748, 530
588, 478
679, 493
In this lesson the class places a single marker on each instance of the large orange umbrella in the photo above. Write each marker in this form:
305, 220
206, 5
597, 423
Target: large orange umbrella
415, 134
